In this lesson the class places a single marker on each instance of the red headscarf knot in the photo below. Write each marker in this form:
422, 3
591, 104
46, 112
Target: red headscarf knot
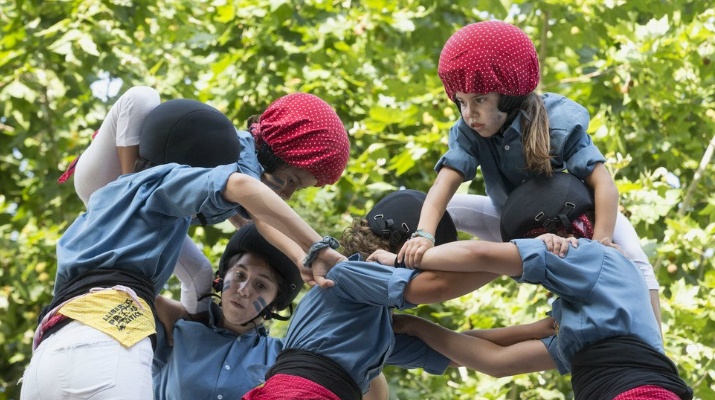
489, 56
305, 132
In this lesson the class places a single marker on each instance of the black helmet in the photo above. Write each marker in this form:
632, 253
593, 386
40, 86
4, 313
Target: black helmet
549, 203
188, 132
395, 218
248, 239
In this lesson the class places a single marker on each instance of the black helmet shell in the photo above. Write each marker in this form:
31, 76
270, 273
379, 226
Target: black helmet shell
188, 132
395, 217
545, 202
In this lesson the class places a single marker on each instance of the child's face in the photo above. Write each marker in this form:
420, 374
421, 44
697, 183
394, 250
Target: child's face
285, 180
480, 112
248, 287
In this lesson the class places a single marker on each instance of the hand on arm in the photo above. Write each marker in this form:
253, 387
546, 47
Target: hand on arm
326, 259
312, 276
477, 353
266, 207
442, 190
557, 244
605, 196
383, 257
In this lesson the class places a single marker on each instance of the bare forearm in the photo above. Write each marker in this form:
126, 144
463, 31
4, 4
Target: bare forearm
281, 241
438, 286
474, 256
484, 356
264, 205
511, 335
605, 196
442, 190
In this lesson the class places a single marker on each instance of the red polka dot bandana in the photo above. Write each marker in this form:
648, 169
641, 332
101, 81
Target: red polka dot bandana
305, 132
489, 56
647, 392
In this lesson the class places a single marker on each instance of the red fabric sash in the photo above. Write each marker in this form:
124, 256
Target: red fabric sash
281, 387
648, 392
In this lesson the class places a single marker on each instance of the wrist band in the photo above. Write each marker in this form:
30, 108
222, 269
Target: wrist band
327, 241
421, 233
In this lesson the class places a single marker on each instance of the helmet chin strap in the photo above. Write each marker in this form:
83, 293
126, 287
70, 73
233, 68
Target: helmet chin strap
259, 328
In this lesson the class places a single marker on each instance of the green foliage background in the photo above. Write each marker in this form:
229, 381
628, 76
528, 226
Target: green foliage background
643, 68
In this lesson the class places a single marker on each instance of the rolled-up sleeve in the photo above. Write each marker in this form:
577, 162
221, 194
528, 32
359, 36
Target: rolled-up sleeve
371, 283
552, 344
571, 277
186, 191
411, 352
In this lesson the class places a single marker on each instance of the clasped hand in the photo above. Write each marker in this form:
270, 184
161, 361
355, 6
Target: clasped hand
316, 274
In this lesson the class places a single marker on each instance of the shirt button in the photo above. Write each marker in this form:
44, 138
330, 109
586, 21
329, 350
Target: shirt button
506, 147
228, 367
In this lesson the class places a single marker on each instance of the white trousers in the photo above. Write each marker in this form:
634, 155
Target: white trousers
80, 362
476, 215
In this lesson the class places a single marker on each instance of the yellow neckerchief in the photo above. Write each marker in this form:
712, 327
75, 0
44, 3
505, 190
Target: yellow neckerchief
116, 311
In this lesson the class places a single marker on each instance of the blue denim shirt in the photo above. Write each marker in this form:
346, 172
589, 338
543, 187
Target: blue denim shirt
602, 294
207, 362
501, 156
351, 323
138, 222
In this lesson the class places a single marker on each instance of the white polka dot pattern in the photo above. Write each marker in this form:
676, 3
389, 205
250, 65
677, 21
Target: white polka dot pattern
305, 132
489, 56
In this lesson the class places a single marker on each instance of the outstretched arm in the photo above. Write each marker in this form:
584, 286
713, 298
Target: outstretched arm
483, 256
477, 353
438, 286
312, 276
474, 256
265, 206
511, 335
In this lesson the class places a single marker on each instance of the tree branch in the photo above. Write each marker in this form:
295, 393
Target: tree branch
687, 199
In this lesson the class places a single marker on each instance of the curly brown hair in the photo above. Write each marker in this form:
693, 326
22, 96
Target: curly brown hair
358, 238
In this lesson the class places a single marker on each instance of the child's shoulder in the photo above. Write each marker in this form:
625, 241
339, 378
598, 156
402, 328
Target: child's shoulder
557, 100
563, 112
